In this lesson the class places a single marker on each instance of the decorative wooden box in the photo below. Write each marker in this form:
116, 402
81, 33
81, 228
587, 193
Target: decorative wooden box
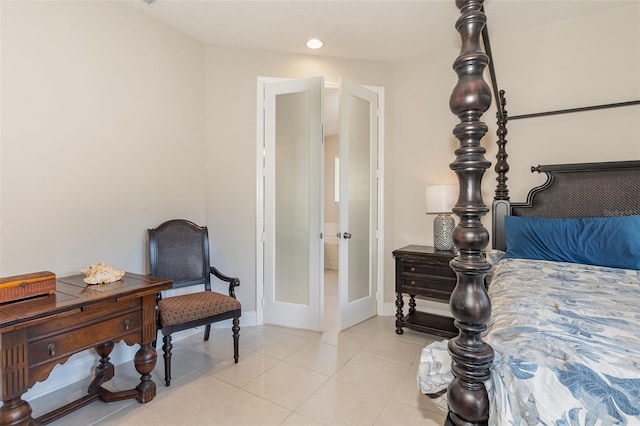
28, 285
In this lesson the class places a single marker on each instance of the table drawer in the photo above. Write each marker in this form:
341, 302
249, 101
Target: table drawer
63, 344
69, 320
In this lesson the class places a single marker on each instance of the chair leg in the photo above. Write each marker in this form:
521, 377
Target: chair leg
167, 359
207, 331
236, 336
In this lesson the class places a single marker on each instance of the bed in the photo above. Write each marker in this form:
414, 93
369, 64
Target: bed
566, 344
556, 337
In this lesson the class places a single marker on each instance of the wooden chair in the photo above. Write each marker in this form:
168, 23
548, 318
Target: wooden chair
179, 251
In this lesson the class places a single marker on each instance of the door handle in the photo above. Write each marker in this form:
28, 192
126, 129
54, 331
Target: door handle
346, 235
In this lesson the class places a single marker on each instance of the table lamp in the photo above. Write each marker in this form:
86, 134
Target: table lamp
440, 201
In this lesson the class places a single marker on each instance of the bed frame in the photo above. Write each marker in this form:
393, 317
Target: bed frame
576, 190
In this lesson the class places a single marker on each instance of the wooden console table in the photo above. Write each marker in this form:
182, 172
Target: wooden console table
38, 334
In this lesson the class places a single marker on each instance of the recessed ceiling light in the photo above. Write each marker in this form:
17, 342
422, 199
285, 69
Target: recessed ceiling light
314, 43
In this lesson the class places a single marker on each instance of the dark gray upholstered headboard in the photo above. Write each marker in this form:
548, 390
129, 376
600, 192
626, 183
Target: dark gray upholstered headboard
576, 190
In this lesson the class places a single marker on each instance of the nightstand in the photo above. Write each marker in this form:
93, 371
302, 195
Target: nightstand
424, 272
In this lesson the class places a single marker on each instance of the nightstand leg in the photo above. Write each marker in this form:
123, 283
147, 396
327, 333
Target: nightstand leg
399, 314
412, 304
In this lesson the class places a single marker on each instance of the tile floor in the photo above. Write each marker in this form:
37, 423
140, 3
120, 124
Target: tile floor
365, 375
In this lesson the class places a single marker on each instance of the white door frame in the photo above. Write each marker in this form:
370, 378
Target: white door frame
260, 153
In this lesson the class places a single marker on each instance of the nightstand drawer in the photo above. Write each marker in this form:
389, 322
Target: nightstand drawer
437, 289
438, 269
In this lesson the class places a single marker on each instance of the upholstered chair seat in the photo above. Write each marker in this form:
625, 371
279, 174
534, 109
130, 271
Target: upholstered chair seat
191, 307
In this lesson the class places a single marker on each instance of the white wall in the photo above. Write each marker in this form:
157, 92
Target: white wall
102, 137
587, 61
232, 145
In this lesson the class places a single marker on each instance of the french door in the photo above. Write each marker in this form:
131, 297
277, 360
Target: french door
292, 189
358, 204
293, 204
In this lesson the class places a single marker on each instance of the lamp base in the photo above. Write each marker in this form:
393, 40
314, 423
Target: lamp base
443, 226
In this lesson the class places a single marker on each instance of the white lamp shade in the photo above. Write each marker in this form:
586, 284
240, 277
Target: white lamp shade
441, 198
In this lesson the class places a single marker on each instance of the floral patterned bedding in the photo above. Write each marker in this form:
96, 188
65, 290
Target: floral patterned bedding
567, 345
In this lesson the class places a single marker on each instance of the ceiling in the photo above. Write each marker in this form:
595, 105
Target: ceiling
379, 30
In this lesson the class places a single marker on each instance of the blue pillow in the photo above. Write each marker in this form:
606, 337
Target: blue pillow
602, 241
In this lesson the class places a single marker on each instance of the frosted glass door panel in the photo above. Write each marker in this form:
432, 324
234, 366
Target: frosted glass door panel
359, 198
292, 198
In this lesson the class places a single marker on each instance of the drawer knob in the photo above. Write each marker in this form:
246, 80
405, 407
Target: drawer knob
52, 349
413, 283
126, 324
413, 268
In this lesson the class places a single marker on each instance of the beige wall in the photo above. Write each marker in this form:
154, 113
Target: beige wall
425, 144
587, 61
102, 137
232, 144
102, 134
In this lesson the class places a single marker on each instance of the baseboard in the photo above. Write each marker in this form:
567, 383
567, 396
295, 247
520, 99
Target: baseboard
81, 366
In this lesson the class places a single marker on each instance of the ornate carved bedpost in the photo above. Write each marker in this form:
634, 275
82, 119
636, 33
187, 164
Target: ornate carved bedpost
502, 167
470, 305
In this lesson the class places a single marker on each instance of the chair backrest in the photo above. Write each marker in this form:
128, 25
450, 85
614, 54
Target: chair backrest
179, 251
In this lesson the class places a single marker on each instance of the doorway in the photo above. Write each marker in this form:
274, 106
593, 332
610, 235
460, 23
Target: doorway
294, 201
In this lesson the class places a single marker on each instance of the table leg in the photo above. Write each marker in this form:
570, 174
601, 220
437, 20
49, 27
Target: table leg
14, 378
105, 370
15, 411
145, 362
